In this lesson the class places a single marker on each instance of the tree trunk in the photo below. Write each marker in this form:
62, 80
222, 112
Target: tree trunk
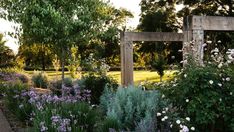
161, 78
63, 65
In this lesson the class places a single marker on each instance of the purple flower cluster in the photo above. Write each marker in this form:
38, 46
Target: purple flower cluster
40, 100
12, 77
62, 125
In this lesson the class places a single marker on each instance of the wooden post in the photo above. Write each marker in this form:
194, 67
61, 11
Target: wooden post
126, 61
193, 39
198, 38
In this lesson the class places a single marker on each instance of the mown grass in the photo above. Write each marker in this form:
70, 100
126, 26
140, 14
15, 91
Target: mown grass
139, 76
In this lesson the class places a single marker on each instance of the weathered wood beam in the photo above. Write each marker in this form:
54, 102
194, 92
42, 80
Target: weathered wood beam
126, 61
153, 36
217, 23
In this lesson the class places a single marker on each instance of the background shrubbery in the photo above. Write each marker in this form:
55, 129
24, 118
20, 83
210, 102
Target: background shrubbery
96, 83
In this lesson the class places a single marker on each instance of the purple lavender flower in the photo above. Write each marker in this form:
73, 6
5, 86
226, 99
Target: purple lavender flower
43, 127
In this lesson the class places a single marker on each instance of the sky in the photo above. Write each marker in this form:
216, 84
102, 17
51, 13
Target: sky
132, 6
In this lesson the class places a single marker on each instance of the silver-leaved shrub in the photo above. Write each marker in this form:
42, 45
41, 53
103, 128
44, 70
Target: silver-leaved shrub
132, 107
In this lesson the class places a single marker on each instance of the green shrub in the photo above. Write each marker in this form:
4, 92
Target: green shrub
40, 79
108, 124
16, 103
96, 84
68, 82
204, 93
130, 106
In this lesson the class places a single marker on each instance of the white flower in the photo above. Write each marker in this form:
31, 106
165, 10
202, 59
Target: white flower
228, 79
178, 121
163, 112
187, 118
165, 117
163, 96
187, 100
21, 106
219, 41
185, 129
209, 41
171, 126
230, 93
220, 65
185, 75
166, 109
220, 99
159, 114
211, 82
220, 85
192, 128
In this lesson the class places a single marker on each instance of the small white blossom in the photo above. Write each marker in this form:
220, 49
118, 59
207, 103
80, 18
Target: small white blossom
163, 96
171, 126
211, 82
165, 117
220, 99
192, 128
187, 100
21, 106
228, 79
220, 65
166, 109
163, 112
230, 93
187, 118
178, 121
185, 129
159, 114
185, 75
220, 85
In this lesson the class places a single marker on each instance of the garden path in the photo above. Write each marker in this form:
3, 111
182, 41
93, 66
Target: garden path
4, 125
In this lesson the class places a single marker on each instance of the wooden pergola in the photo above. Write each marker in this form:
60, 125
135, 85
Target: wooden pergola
193, 30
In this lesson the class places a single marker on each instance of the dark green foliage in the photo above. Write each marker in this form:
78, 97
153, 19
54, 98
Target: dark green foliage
68, 82
56, 87
96, 84
209, 94
40, 80
16, 103
110, 124
159, 64
7, 55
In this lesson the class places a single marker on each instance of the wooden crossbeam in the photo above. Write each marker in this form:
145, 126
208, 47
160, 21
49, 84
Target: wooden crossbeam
153, 36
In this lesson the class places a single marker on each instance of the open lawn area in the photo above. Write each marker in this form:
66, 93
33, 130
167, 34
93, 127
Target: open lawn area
139, 76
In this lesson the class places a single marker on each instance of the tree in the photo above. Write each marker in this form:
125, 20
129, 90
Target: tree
222, 40
159, 16
57, 23
7, 55
36, 56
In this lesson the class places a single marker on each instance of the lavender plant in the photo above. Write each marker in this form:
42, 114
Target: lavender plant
131, 106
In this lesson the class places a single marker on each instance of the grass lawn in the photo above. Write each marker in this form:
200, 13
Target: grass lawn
139, 76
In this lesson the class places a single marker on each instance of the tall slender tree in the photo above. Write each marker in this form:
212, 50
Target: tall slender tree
57, 23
